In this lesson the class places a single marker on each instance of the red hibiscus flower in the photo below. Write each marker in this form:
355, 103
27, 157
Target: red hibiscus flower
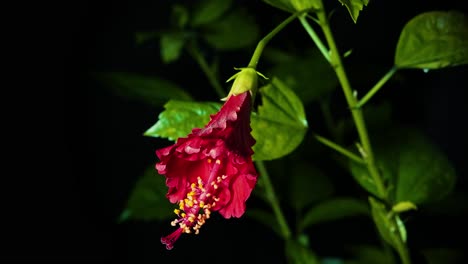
211, 169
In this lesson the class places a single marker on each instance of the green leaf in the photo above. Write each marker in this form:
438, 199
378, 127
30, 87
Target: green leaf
293, 5
307, 184
265, 218
362, 176
207, 11
425, 174
354, 7
387, 227
296, 253
180, 117
310, 76
433, 40
148, 200
171, 46
334, 209
236, 30
280, 124
414, 169
151, 90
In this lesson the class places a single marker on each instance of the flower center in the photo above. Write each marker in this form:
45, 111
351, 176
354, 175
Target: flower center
195, 208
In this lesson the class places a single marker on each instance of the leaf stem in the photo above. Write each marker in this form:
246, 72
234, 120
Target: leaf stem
377, 87
339, 149
264, 41
270, 195
315, 37
200, 59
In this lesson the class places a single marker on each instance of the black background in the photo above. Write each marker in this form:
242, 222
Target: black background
81, 149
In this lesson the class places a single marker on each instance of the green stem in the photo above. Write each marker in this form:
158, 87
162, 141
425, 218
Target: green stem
270, 194
335, 60
214, 82
403, 252
315, 37
264, 41
377, 87
340, 149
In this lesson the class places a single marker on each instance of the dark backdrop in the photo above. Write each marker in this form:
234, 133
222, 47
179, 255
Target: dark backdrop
84, 149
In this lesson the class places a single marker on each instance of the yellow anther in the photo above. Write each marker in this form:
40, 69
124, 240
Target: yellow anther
218, 161
209, 160
202, 204
182, 215
177, 211
192, 185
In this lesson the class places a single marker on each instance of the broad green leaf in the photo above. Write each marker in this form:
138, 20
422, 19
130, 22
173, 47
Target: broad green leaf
152, 90
171, 46
413, 168
354, 7
386, 226
433, 40
236, 30
293, 5
207, 11
296, 253
310, 76
334, 209
148, 200
307, 184
425, 174
265, 218
361, 174
280, 124
180, 117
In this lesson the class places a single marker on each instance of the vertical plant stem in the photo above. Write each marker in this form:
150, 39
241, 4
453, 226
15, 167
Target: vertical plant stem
368, 155
337, 64
403, 252
270, 194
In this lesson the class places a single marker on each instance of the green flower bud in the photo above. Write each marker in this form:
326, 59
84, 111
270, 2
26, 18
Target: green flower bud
245, 80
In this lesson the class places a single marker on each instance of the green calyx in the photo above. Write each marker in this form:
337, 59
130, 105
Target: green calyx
245, 80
